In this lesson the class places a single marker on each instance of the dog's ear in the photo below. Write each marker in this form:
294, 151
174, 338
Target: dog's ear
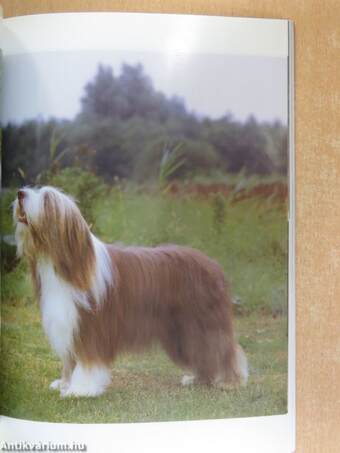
66, 239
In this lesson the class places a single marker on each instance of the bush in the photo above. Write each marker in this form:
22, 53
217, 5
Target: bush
8, 249
185, 157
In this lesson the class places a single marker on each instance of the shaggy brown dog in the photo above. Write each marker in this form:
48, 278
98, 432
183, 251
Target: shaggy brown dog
98, 299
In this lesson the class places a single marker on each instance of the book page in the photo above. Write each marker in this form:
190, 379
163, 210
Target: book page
147, 282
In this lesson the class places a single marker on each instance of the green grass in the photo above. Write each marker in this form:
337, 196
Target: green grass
250, 244
144, 387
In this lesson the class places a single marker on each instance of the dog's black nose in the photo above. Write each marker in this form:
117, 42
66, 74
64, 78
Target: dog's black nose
21, 194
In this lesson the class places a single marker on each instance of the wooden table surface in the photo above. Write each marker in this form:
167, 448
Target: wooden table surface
317, 43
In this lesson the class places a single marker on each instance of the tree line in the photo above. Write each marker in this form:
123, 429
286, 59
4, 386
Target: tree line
125, 127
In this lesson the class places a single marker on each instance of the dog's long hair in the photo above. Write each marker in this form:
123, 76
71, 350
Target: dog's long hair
98, 299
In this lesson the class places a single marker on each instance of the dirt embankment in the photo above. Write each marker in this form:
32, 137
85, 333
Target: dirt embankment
276, 191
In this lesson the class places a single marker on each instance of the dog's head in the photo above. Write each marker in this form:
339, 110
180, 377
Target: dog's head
34, 205
49, 225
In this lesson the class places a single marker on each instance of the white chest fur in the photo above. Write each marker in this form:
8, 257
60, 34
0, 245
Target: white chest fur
58, 309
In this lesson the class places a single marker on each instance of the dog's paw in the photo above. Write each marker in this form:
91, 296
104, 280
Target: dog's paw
59, 384
80, 393
87, 382
188, 379
56, 385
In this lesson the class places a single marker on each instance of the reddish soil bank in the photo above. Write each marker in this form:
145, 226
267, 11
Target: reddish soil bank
276, 191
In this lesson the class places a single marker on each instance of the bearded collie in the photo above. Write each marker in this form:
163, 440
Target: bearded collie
98, 299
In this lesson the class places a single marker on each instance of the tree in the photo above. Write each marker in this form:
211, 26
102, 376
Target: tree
102, 96
123, 126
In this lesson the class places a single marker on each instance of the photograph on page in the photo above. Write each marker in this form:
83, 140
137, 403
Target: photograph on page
145, 241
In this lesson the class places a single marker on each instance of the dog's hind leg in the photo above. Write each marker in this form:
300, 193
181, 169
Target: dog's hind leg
215, 360
234, 371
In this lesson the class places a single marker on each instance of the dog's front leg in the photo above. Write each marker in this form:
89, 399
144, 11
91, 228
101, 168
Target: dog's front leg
88, 379
62, 383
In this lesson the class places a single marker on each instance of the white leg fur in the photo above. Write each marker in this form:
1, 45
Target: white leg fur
59, 312
188, 379
87, 381
242, 363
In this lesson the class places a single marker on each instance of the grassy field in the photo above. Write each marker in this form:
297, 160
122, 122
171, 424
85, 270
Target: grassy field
249, 239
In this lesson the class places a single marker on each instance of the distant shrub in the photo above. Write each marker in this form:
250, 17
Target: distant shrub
219, 211
9, 257
16, 285
7, 198
8, 249
166, 160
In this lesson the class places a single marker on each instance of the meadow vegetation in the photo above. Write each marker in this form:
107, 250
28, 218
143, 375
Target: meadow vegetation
249, 240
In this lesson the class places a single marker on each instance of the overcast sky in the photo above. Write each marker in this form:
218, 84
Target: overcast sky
51, 84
